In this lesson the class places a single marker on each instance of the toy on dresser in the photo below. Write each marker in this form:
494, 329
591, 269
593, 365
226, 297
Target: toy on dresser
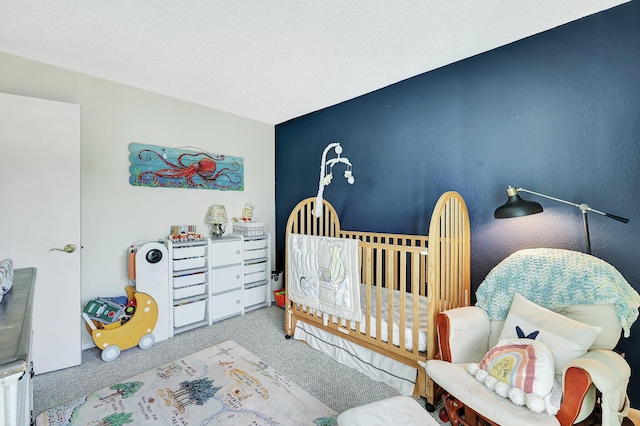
245, 225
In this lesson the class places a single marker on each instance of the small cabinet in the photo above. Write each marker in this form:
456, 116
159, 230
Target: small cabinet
189, 284
257, 269
226, 277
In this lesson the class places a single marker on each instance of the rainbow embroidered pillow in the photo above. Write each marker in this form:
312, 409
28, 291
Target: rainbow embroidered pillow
521, 363
519, 369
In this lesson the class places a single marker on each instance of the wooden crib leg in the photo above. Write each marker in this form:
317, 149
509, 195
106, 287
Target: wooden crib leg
289, 323
420, 388
425, 388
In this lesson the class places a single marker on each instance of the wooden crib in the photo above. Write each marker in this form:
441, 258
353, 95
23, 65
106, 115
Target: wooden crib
436, 266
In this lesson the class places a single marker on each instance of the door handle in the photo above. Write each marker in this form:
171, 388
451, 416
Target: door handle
69, 248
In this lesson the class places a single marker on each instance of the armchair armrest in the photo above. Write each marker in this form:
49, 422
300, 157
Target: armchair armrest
463, 334
609, 373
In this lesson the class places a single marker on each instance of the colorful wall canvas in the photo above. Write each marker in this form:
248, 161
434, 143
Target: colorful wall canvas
159, 166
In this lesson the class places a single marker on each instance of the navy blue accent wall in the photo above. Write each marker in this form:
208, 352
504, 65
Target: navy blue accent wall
557, 113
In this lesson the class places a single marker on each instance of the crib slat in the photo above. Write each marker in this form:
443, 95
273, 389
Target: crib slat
402, 285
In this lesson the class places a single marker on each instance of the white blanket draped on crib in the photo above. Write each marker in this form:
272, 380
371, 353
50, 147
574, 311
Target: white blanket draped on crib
322, 273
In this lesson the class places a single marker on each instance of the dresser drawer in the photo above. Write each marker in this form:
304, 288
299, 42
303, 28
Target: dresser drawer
189, 279
189, 291
226, 253
191, 263
255, 254
255, 244
255, 295
189, 313
225, 279
255, 272
251, 268
186, 252
226, 304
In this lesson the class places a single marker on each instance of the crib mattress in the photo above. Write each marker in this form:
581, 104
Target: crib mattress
408, 340
384, 324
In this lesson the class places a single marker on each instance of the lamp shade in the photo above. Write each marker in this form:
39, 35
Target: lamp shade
217, 214
516, 206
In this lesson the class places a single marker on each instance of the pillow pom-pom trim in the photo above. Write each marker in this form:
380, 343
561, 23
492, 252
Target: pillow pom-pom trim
490, 382
481, 375
516, 396
535, 403
501, 388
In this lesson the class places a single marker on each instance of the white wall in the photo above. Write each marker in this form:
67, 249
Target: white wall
116, 214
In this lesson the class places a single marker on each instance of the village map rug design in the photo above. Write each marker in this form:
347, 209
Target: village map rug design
223, 384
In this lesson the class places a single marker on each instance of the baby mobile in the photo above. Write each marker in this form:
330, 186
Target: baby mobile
326, 173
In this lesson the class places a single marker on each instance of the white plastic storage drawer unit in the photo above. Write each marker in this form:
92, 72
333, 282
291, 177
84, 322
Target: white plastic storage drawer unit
190, 281
257, 267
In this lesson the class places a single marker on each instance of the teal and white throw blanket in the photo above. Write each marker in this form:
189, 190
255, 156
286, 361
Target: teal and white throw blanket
555, 278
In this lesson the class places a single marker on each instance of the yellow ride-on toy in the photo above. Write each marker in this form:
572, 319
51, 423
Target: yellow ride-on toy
121, 335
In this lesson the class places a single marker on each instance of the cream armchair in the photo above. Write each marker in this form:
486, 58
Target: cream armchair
580, 337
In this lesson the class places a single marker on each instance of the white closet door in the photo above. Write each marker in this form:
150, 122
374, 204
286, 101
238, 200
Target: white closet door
40, 211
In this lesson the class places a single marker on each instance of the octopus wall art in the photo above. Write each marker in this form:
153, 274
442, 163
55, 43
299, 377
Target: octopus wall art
179, 168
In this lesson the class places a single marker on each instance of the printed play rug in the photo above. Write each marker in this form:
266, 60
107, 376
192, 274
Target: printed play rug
223, 384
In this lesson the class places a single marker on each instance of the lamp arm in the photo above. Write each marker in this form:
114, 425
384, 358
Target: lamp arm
549, 197
582, 207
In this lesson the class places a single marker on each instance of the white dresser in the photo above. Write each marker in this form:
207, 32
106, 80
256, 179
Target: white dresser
16, 372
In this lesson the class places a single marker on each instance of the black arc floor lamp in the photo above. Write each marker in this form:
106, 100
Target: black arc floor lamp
516, 206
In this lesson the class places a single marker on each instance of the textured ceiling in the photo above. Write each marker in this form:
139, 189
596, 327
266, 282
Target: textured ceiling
270, 60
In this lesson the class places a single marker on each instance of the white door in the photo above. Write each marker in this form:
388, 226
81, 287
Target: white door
40, 211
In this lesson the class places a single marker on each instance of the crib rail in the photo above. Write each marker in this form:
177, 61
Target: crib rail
384, 269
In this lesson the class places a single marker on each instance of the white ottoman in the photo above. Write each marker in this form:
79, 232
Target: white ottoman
399, 410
